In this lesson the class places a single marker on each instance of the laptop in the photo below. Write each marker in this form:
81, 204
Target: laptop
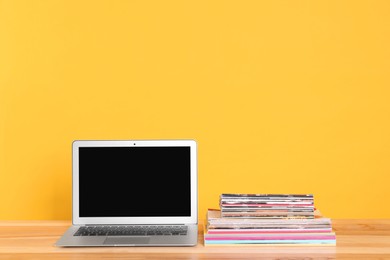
133, 193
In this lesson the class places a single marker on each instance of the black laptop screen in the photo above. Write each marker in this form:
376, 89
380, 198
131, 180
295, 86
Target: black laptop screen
134, 182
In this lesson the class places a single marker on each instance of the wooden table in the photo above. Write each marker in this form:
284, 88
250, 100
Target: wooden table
356, 239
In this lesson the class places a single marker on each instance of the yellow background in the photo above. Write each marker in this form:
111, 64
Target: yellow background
282, 96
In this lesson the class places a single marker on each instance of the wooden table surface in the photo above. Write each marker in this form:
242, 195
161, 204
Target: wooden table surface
356, 239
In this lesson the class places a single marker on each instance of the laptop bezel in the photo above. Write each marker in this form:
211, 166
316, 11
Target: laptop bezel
77, 220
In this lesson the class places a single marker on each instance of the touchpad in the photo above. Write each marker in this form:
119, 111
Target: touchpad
126, 240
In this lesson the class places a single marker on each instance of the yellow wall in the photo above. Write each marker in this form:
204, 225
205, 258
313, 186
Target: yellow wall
282, 96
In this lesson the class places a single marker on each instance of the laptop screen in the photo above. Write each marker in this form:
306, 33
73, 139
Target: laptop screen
134, 181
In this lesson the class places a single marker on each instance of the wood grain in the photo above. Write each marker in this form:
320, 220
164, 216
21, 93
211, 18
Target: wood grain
356, 239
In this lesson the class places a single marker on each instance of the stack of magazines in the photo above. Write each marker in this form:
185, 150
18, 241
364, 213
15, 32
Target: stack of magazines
267, 206
283, 227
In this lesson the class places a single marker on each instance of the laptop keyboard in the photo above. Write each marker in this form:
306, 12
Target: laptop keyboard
123, 230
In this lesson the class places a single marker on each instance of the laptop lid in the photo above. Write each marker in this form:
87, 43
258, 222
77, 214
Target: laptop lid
135, 182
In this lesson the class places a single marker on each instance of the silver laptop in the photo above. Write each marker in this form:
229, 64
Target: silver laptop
134, 193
